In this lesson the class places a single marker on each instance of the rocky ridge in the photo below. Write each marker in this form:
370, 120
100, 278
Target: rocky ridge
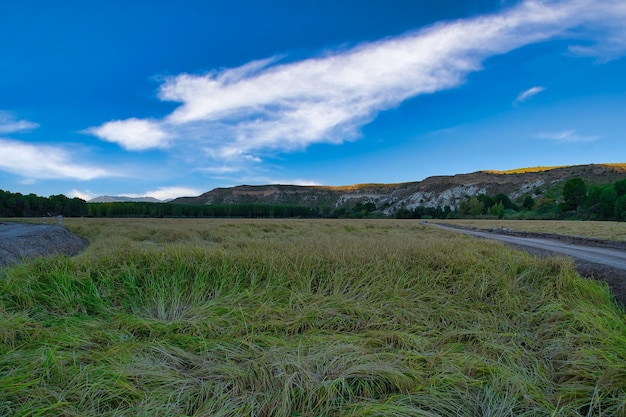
431, 192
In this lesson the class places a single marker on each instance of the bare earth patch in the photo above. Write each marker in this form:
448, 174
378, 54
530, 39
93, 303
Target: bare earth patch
21, 241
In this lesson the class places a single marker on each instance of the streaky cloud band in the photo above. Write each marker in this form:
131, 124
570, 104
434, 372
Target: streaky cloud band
269, 105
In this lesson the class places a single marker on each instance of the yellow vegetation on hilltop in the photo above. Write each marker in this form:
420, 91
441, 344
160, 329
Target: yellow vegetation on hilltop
620, 166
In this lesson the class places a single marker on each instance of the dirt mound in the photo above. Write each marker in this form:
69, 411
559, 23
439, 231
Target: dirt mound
21, 241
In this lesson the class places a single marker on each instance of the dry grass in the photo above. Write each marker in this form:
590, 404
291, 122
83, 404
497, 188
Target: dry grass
616, 166
525, 170
591, 229
304, 318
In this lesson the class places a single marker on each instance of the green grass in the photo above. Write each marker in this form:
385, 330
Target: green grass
305, 318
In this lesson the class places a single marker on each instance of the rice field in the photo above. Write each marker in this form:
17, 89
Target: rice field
165, 317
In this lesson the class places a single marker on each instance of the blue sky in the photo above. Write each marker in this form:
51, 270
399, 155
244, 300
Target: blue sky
168, 99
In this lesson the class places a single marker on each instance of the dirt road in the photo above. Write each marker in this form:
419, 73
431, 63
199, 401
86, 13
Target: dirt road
19, 241
602, 260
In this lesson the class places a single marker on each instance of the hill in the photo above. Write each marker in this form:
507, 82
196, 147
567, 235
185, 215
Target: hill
122, 199
436, 191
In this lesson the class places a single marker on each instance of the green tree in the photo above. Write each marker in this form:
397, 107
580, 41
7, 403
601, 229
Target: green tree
547, 207
593, 197
472, 207
177, 211
608, 197
505, 200
574, 194
497, 210
529, 203
620, 187
620, 208
487, 201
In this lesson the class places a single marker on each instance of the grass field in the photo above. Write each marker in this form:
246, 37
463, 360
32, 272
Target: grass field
167, 317
591, 229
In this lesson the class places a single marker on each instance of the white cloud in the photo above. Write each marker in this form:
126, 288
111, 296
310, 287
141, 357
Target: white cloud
567, 136
44, 162
267, 105
168, 193
525, 95
163, 193
132, 134
9, 124
85, 195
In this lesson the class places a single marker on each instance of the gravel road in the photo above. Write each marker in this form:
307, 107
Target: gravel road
598, 259
19, 241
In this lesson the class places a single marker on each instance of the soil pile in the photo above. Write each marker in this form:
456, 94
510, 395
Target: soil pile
21, 241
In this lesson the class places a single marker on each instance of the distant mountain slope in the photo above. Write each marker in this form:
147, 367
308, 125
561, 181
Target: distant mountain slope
431, 192
121, 199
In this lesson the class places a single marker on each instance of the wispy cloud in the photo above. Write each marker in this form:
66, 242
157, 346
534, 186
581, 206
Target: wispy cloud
10, 124
295, 181
266, 105
608, 40
44, 162
525, 95
567, 136
223, 169
264, 180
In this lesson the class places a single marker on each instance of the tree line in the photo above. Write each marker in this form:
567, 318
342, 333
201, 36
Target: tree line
147, 209
595, 202
31, 205
576, 201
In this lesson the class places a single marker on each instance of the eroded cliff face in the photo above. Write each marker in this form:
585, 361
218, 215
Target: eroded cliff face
438, 191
